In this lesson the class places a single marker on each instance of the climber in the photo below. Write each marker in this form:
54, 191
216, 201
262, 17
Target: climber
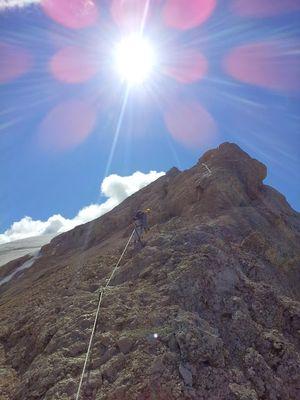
140, 221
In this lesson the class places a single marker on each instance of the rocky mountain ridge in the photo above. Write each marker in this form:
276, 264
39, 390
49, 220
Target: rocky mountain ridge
208, 309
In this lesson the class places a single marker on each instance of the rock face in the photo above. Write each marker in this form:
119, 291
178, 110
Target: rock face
208, 309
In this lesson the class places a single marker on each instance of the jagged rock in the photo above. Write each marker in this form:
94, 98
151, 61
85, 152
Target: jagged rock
243, 392
157, 366
125, 344
111, 369
186, 375
208, 309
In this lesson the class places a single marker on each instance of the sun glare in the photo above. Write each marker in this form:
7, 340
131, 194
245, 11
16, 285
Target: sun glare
134, 59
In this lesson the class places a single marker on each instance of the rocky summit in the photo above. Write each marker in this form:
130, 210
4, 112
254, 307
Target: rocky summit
208, 309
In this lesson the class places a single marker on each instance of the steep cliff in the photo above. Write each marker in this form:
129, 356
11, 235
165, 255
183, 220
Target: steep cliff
208, 309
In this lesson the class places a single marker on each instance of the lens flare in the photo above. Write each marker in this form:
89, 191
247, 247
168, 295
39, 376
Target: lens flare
187, 66
73, 65
264, 8
130, 15
73, 14
67, 125
274, 65
134, 59
14, 62
183, 14
190, 124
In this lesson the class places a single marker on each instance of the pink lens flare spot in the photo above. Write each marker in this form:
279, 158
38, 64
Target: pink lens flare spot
75, 14
183, 14
14, 62
274, 65
130, 15
190, 124
73, 65
67, 125
188, 67
264, 8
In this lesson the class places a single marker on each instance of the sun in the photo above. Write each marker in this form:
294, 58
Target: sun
135, 59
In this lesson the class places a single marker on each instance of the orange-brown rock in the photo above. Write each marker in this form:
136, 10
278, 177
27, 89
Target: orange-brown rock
208, 309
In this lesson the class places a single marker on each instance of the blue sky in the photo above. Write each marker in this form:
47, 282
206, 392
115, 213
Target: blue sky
256, 107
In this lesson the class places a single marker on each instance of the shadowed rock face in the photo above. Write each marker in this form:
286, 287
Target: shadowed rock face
208, 309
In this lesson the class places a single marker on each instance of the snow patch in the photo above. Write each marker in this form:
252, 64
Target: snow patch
27, 264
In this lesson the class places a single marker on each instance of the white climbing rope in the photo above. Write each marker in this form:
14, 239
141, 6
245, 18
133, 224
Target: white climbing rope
97, 314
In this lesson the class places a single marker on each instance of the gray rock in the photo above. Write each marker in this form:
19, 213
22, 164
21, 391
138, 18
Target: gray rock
125, 344
157, 366
186, 375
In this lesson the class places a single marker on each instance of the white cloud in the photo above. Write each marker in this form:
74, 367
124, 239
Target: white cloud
116, 188
4, 4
